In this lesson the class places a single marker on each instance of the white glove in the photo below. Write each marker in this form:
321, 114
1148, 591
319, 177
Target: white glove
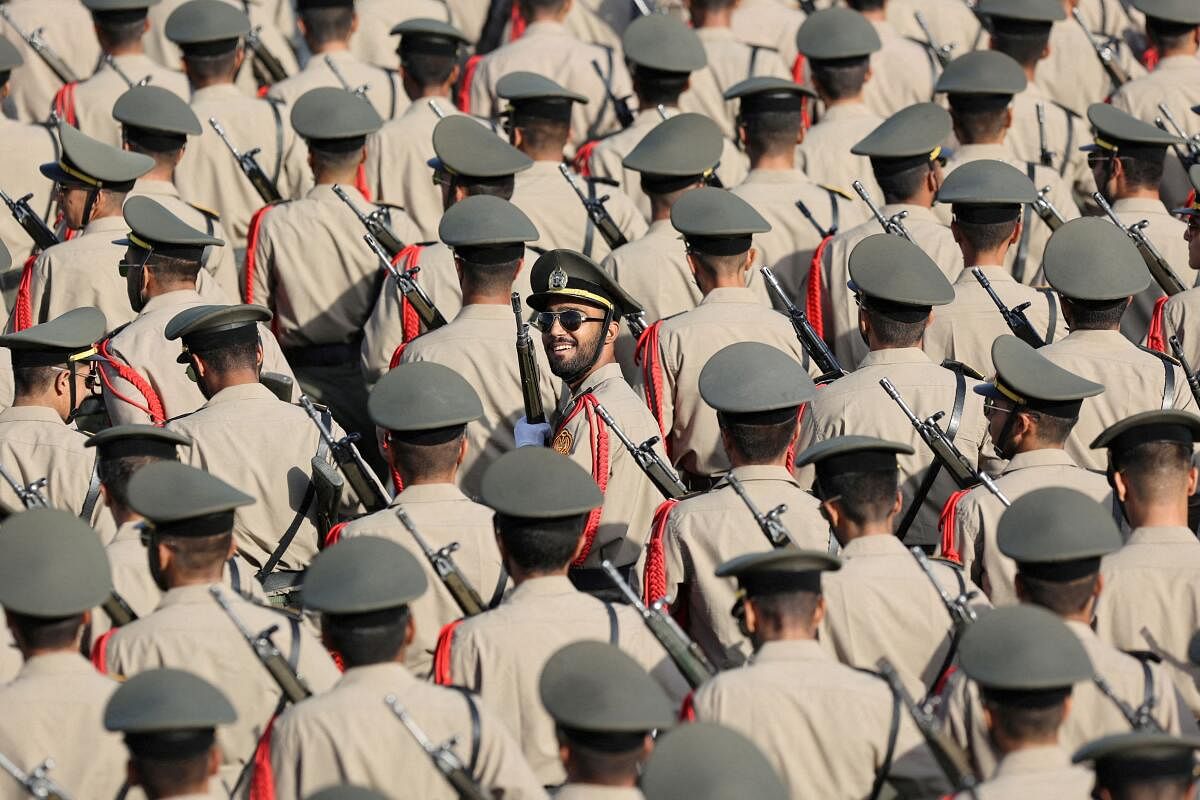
531, 434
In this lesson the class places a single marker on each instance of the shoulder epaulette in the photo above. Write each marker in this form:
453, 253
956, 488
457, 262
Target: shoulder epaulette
836, 190
602, 180
208, 212
965, 369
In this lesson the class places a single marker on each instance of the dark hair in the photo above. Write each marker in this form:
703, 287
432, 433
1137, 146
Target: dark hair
199, 553
170, 270
759, 444
599, 766
986, 235
1167, 35
893, 332
866, 497
329, 160
211, 66
865, 5
1145, 169
1061, 597
540, 545
243, 355
372, 637
1156, 470
326, 25
162, 777
898, 187
712, 5
976, 123
1024, 46
1122, 786
46, 633
542, 134
32, 380
119, 30
501, 187
780, 608
1052, 429
841, 77
654, 86
1021, 723
115, 474
428, 69
419, 460
1093, 315
530, 8
771, 131
491, 278
719, 265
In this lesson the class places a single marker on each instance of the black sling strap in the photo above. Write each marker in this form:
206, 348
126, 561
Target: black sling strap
589, 231
608, 90
1026, 223
1168, 393
889, 755
614, 632
1062, 168
753, 60
278, 139
93, 494
392, 94
953, 649
1052, 304
476, 733
1147, 689
834, 211
960, 398
501, 583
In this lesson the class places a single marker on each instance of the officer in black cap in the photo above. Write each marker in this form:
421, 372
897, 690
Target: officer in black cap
1129, 765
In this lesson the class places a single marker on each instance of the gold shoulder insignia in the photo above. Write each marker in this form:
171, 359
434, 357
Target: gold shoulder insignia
208, 212
836, 190
564, 442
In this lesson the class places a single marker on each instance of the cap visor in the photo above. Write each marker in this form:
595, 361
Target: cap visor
56, 173
989, 390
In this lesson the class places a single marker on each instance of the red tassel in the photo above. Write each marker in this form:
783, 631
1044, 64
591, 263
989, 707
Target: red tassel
335, 534
598, 435
262, 91
1156, 337
583, 158
23, 306
64, 104
647, 355
798, 77
687, 712
394, 361
441, 654
814, 291
654, 579
360, 182
251, 245
397, 481
407, 259
100, 652
790, 462
463, 99
517, 27
153, 405
946, 523
1150, 58
940, 683
262, 782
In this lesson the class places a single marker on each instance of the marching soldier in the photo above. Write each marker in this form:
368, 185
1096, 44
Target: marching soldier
1032, 406
371, 625
902, 71
54, 572
1096, 270
1142, 760
768, 25
65, 28
378, 19
1073, 75
541, 502
953, 25
706, 761
1177, 314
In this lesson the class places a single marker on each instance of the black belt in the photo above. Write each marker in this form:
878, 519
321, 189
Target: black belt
322, 355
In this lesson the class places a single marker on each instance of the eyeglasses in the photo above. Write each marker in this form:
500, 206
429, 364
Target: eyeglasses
90, 381
123, 267
990, 407
571, 320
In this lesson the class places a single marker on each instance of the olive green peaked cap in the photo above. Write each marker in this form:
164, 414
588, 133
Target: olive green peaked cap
331, 115
118, 5
1092, 259
428, 36
1140, 757
595, 687
570, 277
707, 761
179, 500
362, 574
1037, 11
910, 137
212, 327
765, 93
1159, 425
10, 56
752, 378
662, 42
1118, 132
484, 220
464, 147
836, 33
683, 146
138, 440
987, 182
165, 699
850, 454
517, 87
153, 227
1057, 534
94, 164
423, 396
67, 338
1025, 376
716, 222
1181, 12
896, 271
1023, 648
782, 571
346, 793
52, 564
538, 483
204, 22
987, 72
153, 108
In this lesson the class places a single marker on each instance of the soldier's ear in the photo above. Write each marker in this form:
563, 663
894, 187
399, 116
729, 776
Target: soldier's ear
214, 760
1193, 474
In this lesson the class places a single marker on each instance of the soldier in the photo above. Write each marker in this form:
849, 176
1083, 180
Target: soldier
880, 604
769, 127
91, 181
541, 502
1129, 764
65, 28
1096, 270
426, 410
346, 793
717, 227
538, 121
170, 718
758, 393
605, 734
371, 625
1073, 74
327, 26
54, 572
896, 286
706, 761
209, 32
1177, 313
906, 158
397, 166
377, 20
902, 71
837, 45
189, 536
1032, 406
793, 695
1151, 598
1024, 661
953, 25
121, 26
979, 88
487, 236
768, 25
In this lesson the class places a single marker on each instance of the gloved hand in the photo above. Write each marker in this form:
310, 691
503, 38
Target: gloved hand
531, 434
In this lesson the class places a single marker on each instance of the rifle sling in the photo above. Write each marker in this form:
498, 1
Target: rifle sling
889, 754
1062, 169
93, 494
1026, 222
589, 231
834, 213
293, 660
614, 627
960, 397
610, 99
476, 734
1168, 393
278, 141
1052, 307
498, 593
952, 651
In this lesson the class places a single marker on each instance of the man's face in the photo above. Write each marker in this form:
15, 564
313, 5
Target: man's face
72, 199
570, 351
997, 412
1191, 235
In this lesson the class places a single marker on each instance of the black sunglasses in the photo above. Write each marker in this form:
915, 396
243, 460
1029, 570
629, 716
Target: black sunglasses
571, 320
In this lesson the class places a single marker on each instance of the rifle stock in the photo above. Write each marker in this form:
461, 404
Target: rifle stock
1159, 269
1105, 52
596, 211
769, 523
376, 224
268, 69
442, 755
1014, 318
531, 393
407, 285
292, 685
813, 344
45, 52
248, 163
893, 224
40, 233
1192, 379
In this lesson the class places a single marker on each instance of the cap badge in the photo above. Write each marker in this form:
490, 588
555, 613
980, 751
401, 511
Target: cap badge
558, 278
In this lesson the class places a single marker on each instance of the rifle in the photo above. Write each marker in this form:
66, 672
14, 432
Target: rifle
279, 384
527, 363
951, 758
687, 655
808, 215
407, 285
643, 7
498, 15
345, 453
436, 109
650, 462
377, 224
118, 610
268, 69
596, 211
31, 496
1105, 52
769, 523
442, 755
620, 104
894, 224
112, 64
292, 685
1140, 718
45, 52
37, 782
42, 235
1046, 155
262, 184
662, 112
940, 51
361, 91
1045, 208
1160, 270
1192, 379
813, 344
1014, 318
1193, 147
442, 561
963, 471
959, 608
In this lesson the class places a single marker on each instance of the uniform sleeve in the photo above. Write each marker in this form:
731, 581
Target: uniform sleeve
465, 667
275, 361
673, 553
668, 355
315, 665
295, 176
382, 334
626, 215
39, 288
291, 760
1183, 393
119, 411
481, 95
968, 538
501, 764
264, 264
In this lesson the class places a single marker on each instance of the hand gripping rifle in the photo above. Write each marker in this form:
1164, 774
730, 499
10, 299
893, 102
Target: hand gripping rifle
44, 51
42, 235
442, 755
687, 655
1189, 373
1014, 318
596, 211
1160, 270
1045, 154
893, 224
813, 344
268, 69
527, 363
358, 474
442, 561
407, 285
769, 523
1192, 155
250, 167
650, 462
377, 224
292, 685
36, 782
940, 51
1105, 52
620, 104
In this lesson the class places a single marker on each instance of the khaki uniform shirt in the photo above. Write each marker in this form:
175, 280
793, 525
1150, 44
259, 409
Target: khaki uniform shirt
902, 73
548, 48
594, 791
83, 272
560, 218
655, 272
709, 529
950, 23
500, 655
769, 24
839, 309
978, 515
329, 304
1175, 83
1152, 584
857, 404
600, 22
729, 62
23, 148
1180, 319
686, 342
54, 708
880, 603
349, 735
250, 439
964, 330
383, 87
373, 42
793, 699
1035, 773
1072, 75
190, 631
443, 515
66, 28
1133, 382
825, 155
1065, 133
478, 345
94, 97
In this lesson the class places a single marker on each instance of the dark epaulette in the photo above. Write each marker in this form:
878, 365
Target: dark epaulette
965, 369
1144, 656
601, 180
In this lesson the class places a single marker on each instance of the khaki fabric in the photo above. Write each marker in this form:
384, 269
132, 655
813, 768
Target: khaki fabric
54, 708
1072, 75
594, 791
951, 23
383, 87
794, 698
67, 30
825, 155
1179, 319
769, 24
11, 659
479, 345
1133, 382
23, 148
881, 604
500, 655
1035, 773
729, 62
1151, 586
1066, 132
709, 529
839, 309
443, 515
94, 97
1175, 83
978, 515
373, 42
82, 272
964, 330
349, 735
655, 272
188, 630
600, 22
250, 439
902, 73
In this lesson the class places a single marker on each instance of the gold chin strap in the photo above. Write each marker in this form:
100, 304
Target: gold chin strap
937, 151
